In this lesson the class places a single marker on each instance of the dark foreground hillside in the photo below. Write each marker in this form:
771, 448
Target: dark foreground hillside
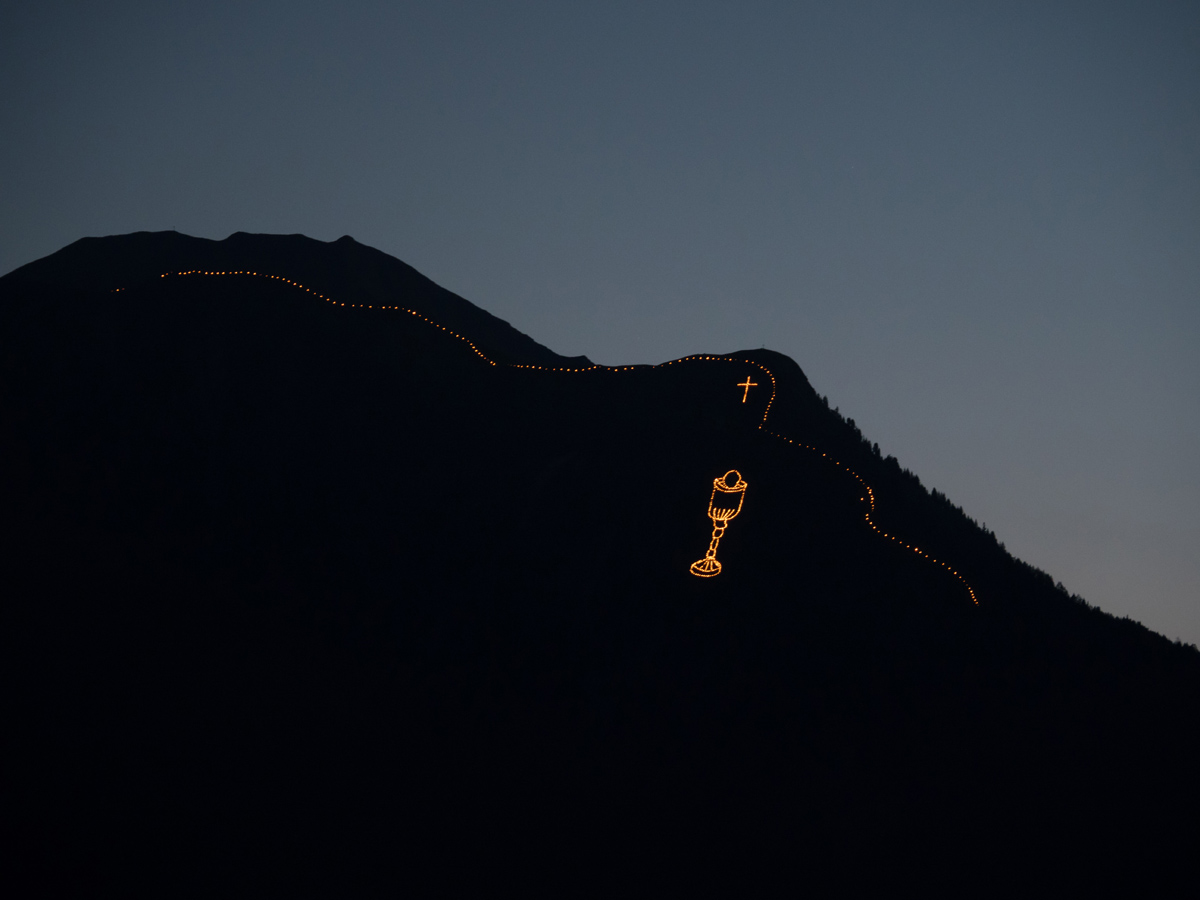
298, 585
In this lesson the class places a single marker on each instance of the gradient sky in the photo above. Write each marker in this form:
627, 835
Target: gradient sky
976, 226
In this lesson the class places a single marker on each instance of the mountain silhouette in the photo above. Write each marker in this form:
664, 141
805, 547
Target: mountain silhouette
315, 567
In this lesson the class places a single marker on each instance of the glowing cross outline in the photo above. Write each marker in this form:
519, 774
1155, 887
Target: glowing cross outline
747, 384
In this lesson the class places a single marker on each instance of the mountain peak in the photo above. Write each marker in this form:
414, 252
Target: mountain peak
353, 272
298, 541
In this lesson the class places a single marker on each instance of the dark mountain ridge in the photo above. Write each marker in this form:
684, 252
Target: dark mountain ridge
304, 581
357, 270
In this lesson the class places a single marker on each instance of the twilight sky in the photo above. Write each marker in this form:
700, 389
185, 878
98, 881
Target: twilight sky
976, 226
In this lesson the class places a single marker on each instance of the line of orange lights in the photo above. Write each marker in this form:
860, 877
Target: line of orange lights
330, 300
870, 494
869, 499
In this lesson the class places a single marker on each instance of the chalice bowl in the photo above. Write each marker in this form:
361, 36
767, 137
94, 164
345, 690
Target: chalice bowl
725, 503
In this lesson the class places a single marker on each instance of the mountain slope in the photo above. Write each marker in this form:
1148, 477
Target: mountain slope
319, 585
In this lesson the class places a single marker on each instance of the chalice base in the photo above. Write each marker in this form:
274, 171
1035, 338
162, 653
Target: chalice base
706, 568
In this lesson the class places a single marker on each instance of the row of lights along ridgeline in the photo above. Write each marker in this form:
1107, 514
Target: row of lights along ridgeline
721, 506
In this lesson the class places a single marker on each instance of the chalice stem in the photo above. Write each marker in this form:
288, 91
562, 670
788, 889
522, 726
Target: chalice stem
718, 530
709, 566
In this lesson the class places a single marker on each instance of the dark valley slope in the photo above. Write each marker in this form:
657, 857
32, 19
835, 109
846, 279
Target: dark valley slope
298, 582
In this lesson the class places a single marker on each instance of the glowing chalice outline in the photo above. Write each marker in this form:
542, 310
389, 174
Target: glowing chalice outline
721, 512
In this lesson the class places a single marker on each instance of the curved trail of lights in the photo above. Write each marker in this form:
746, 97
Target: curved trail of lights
869, 499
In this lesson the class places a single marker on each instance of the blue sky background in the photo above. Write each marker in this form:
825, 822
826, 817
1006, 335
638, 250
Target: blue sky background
976, 226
